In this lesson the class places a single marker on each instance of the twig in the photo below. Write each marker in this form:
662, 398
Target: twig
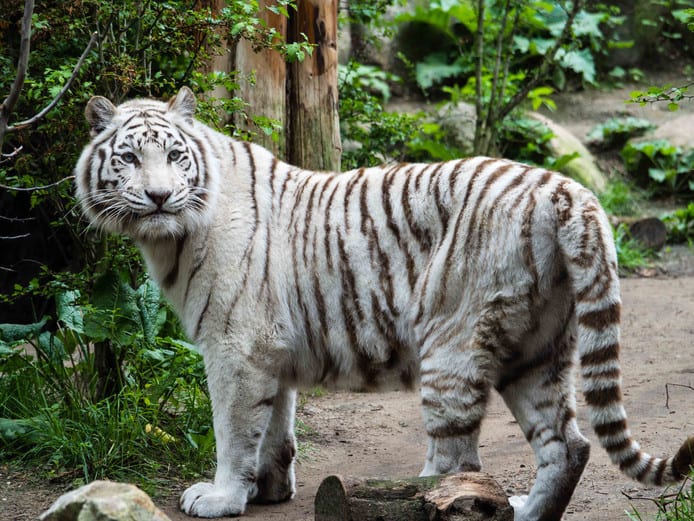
68, 84
667, 392
16, 219
35, 188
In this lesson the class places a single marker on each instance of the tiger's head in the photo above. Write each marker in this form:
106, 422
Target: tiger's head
148, 171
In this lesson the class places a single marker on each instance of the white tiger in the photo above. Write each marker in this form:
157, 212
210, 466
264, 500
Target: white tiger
463, 276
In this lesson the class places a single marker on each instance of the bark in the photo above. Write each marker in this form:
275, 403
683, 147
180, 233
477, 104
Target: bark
267, 96
469, 496
314, 132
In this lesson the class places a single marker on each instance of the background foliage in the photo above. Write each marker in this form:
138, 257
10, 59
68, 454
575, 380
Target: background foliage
74, 303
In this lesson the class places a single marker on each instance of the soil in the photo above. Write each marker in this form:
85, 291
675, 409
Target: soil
381, 435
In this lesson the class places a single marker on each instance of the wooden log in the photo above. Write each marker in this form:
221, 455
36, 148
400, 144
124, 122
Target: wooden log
469, 496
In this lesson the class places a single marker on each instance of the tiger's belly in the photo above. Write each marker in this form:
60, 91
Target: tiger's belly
374, 364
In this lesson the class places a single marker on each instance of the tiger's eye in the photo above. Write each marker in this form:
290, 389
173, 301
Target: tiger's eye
174, 155
128, 157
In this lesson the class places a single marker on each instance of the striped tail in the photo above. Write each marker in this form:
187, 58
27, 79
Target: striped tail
587, 245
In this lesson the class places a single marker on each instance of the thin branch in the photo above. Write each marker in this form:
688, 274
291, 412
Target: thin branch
13, 237
35, 188
16, 219
62, 92
22, 64
548, 61
6, 157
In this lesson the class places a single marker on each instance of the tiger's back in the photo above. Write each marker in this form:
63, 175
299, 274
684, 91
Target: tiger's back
471, 275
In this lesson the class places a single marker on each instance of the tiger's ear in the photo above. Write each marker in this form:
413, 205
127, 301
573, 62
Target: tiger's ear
99, 113
184, 103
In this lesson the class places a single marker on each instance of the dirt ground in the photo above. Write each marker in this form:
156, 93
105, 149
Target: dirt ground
381, 435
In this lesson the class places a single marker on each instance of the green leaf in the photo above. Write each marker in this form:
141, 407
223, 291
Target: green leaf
657, 174
21, 332
673, 107
579, 61
434, 69
149, 302
69, 312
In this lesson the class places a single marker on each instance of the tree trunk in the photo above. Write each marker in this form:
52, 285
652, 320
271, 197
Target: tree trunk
469, 496
314, 131
267, 96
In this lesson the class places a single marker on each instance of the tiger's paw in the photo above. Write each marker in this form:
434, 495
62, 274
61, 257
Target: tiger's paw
206, 500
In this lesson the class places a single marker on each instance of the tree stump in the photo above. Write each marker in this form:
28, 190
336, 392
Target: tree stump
469, 496
649, 232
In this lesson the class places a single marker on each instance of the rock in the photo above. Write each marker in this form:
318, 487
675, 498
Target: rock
677, 131
104, 501
469, 496
583, 168
458, 125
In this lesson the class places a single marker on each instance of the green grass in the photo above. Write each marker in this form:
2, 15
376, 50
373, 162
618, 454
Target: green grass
631, 256
158, 426
677, 505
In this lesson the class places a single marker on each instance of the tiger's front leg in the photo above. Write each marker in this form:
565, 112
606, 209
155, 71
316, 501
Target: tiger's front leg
242, 397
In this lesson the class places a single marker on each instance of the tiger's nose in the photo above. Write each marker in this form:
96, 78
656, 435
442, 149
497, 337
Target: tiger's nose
158, 197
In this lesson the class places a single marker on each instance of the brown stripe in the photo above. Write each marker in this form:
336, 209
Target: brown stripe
603, 397
600, 356
307, 223
658, 478
421, 235
600, 319
348, 194
443, 211
364, 214
562, 196
527, 239
328, 230
454, 430
647, 468
386, 187
611, 428
201, 317
618, 445
630, 460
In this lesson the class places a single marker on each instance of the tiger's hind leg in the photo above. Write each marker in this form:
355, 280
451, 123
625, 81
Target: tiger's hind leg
453, 407
456, 379
541, 396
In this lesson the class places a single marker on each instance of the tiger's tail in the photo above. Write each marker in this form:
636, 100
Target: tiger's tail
586, 242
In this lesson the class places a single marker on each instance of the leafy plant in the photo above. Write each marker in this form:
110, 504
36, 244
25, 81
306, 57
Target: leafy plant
615, 132
664, 169
680, 225
516, 47
52, 415
371, 135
